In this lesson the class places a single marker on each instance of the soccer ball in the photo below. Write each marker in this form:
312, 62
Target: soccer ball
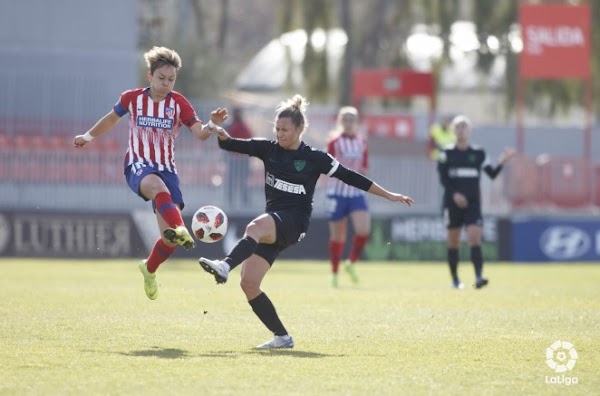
209, 224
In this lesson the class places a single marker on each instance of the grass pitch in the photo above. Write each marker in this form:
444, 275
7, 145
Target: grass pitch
75, 327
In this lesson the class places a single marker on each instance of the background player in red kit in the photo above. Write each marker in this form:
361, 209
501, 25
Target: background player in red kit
345, 201
156, 114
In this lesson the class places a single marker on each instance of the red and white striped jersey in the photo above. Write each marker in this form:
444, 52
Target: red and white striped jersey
153, 126
350, 151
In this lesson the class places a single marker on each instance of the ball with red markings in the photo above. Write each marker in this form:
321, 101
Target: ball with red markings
209, 224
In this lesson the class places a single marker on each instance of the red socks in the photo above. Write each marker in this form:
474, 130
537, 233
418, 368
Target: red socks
358, 244
336, 249
168, 210
335, 255
160, 252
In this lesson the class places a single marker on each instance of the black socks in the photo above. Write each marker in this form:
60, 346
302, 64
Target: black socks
453, 263
265, 310
241, 251
477, 259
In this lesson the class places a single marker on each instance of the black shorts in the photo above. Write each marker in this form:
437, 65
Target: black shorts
290, 227
455, 217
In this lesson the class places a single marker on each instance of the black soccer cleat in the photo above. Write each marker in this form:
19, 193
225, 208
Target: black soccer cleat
481, 282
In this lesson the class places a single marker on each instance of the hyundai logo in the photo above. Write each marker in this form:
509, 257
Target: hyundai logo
564, 242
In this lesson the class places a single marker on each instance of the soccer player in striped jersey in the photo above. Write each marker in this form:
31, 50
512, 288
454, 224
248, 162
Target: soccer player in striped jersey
460, 169
292, 169
345, 201
156, 114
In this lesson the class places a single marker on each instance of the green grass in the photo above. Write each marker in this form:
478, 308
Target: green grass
86, 327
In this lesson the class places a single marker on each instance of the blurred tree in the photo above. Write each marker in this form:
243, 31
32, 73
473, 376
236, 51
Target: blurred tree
345, 80
543, 97
317, 15
223, 26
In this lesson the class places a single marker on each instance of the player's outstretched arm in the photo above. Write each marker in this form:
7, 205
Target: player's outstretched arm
203, 131
376, 189
506, 155
103, 125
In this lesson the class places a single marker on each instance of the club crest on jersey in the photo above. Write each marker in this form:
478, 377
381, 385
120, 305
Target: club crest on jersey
299, 164
169, 111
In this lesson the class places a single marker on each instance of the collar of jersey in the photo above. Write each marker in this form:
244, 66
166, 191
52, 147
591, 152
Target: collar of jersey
147, 92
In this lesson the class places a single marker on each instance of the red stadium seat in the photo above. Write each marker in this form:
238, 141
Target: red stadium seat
6, 141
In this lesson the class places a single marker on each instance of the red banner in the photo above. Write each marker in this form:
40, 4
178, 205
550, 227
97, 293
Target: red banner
391, 83
394, 126
556, 41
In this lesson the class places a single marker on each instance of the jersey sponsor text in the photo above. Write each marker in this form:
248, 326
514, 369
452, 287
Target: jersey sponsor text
154, 122
282, 185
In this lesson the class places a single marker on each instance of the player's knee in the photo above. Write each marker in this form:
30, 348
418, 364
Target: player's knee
254, 231
363, 231
250, 287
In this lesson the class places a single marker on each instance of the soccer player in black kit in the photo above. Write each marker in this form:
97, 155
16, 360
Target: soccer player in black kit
292, 169
460, 169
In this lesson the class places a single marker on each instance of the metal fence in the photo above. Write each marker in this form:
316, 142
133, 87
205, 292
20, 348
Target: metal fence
50, 174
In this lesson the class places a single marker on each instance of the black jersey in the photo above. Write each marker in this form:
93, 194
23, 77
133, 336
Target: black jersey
460, 171
291, 175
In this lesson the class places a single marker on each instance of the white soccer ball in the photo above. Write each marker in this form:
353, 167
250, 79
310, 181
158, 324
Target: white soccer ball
209, 224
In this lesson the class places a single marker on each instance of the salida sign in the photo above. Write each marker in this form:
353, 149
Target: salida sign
556, 41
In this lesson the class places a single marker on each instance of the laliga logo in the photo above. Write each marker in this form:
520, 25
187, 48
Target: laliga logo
558, 352
561, 357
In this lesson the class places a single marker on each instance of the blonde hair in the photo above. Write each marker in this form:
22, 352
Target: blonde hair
347, 110
294, 108
158, 57
460, 119
343, 111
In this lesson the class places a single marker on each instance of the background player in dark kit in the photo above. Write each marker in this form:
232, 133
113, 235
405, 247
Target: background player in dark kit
460, 169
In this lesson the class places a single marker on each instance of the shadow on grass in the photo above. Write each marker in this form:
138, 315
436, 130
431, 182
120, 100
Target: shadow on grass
163, 353
174, 353
289, 352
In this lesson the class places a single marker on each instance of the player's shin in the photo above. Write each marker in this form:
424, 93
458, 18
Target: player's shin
241, 251
168, 209
265, 310
453, 263
477, 259
358, 244
335, 255
159, 254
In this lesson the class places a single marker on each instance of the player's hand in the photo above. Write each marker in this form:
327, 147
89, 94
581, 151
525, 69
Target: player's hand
401, 198
460, 200
79, 141
221, 133
506, 155
218, 116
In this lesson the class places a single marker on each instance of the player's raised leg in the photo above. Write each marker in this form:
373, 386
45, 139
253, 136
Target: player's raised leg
166, 201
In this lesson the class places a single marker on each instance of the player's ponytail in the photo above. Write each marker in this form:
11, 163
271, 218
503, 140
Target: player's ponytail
294, 108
